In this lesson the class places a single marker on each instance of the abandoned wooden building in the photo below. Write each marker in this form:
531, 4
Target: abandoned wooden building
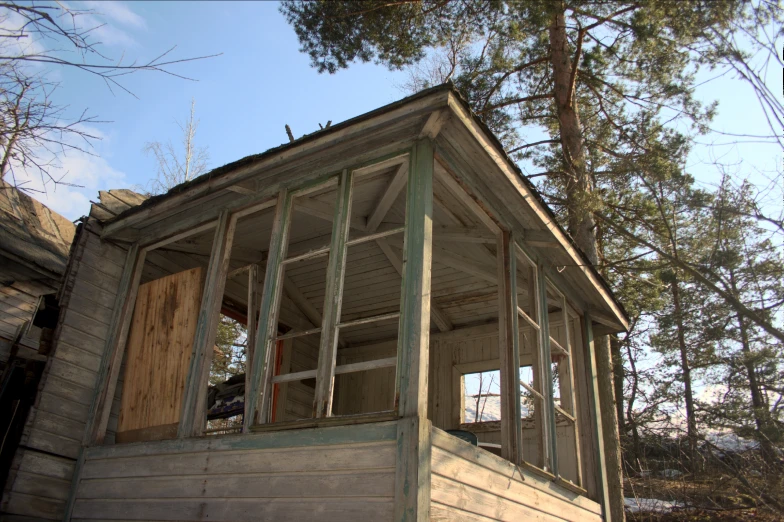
369, 268
34, 246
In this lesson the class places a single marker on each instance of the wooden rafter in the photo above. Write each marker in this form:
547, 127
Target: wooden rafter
387, 199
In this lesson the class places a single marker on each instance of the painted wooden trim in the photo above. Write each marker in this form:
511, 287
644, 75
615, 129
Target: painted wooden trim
193, 418
114, 350
596, 423
509, 350
414, 324
413, 469
268, 311
333, 299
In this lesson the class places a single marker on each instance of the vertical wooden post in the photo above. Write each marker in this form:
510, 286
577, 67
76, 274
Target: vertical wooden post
268, 311
546, 369
566, 368
250, 327
596, 423
509, 350
540, 432
194, 401
112, 359
333, 299
412, 476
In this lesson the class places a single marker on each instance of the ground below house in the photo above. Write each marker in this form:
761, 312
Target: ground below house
691, 499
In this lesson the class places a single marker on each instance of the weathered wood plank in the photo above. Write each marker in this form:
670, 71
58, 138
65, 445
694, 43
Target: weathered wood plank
333, 299
452, 457
301, 483
239, 510
115, 345
268, 316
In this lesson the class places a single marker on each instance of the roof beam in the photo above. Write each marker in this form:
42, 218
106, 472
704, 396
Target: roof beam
389, 196
319, 209
434, 123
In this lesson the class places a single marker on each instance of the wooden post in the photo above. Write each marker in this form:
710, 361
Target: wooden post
509, 351
268, 310
534, 304
114, 351
412, 476
596, 424
250, 327
546, 369
333, 299
194, 401
566, 369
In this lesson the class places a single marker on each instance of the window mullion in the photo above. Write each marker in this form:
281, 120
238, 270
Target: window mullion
333, 299
268, 316
546, 372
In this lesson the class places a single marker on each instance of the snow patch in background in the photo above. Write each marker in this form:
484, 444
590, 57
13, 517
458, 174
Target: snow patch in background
650, 505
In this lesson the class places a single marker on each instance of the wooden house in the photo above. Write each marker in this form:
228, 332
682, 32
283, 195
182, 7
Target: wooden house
368, 268
34, 247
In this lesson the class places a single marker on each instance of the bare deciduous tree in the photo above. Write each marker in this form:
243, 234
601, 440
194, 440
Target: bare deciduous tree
35, 131
175, 168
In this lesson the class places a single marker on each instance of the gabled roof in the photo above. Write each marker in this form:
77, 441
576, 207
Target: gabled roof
33, 234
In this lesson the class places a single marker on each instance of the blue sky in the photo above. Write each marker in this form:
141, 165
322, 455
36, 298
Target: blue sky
243, 98
260, 83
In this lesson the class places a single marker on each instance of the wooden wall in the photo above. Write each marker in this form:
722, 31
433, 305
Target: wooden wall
40, 476
369, 391
470, 484
295, 398
338, 473
157, 355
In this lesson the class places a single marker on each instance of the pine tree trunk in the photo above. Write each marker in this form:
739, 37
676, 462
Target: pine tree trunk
691, 420
582, 227
760, 409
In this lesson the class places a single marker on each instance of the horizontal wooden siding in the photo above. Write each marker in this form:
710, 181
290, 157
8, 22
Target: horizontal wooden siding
469, 483
338, 473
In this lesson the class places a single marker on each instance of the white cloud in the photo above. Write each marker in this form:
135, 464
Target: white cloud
117, 12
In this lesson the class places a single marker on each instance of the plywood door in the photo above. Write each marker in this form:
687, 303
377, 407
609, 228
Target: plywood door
157, 356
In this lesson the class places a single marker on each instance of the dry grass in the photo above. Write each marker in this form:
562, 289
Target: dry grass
710, 497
